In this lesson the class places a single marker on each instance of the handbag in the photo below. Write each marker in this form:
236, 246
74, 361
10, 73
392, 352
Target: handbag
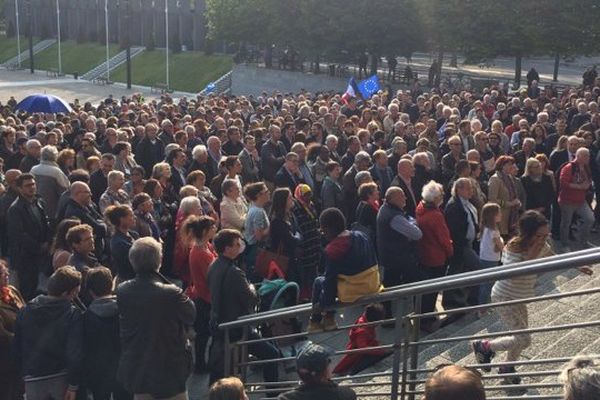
265, 260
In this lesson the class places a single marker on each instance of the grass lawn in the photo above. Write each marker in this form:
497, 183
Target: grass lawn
189, 71
75, 57
8, 46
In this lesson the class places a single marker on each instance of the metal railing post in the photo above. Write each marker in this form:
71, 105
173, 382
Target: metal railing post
399, 309
227, 355
413, 351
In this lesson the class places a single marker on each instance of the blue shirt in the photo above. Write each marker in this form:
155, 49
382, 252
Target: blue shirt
255, 219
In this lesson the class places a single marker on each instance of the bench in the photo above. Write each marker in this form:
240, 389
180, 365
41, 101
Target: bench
161, 88
101, 80
403, 77
53, 73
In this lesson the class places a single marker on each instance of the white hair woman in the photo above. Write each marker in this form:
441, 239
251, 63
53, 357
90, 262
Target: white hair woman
114, 193
435, 247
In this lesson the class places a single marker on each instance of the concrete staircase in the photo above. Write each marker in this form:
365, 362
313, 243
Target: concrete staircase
220, 86
13, 63
545, 345
114, 62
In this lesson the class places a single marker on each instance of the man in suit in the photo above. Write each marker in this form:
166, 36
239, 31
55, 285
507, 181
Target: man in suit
521, 156
361, 163
406, 172
99, 179
214, 157
177, 159
272, 154
289, 175
381, 173
150, 150
464, 131
461, 217
250, 161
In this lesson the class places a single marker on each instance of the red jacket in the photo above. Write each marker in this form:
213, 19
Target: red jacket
435, 247
199, 261
360, 338
572, 173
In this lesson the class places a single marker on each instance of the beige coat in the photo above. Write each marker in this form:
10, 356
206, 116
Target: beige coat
498, 193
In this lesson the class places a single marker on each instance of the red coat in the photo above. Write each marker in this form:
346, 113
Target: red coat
199, 261
435, 247
360, 338
572, 173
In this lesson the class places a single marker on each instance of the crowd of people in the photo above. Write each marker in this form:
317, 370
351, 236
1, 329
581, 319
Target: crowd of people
130, 226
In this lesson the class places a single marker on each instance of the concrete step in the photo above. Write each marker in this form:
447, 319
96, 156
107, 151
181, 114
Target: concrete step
113, 63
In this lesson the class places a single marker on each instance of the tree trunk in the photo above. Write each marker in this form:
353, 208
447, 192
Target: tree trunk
317, 65
438, 73
556, 62
518, 70
269, 56
454, 60
374, 63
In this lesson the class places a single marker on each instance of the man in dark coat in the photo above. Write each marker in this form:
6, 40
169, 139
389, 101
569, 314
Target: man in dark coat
406, 172
29, 236
6, 200
32, 155
99, 179
80, 206
155, 316
272, 154
150, 150
232, 296
461, 217
289, 175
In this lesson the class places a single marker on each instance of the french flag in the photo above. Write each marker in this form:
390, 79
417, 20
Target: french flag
350, 91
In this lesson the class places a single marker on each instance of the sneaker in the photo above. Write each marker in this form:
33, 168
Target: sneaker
314, 326
329, 323
483, 353
509, 380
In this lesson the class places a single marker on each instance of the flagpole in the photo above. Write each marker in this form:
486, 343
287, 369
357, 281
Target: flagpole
106, 29
18, 32
167, 38
58, 35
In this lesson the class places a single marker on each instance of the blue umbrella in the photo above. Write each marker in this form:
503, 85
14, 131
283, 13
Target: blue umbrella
43, 103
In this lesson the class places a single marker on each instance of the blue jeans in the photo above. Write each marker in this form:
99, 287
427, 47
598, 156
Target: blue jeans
319, 299
485, 289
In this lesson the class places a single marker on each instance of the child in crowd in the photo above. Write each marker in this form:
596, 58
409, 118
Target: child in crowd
490, 246
362, 337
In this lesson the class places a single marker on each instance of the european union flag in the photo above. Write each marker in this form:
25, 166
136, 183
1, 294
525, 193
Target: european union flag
369, 87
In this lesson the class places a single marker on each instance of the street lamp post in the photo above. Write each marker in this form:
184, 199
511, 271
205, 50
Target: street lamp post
18, 33
107, 49
58, 37
30, 18
167, 38
128, 43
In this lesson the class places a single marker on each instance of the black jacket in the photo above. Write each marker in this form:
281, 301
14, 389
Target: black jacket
411, 204
283, 179
120, 245
155, 353
101, 344
27, 231
89, 215
98, 185
48, 338
147, 154
456, 218
319, 391
272, 157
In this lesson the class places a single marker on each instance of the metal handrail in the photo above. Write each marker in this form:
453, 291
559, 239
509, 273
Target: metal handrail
539, 266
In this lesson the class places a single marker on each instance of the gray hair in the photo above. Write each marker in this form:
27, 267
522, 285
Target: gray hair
198, 151
157, 170
362, 177
145, 255
49, 153
460, 183
362, 156
114, 174
581, 378
31, 143
189, 204
227, 185
431, 191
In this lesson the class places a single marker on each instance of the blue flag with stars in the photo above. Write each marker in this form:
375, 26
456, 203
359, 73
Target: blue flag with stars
369, 87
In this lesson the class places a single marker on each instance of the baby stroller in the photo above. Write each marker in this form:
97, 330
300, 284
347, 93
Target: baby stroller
275, 294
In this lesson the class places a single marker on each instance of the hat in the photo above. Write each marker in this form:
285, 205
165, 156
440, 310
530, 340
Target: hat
313, 359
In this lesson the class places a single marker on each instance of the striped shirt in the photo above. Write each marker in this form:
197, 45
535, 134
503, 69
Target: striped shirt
522, 286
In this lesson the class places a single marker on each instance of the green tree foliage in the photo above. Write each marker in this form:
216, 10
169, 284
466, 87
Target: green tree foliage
341, 29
